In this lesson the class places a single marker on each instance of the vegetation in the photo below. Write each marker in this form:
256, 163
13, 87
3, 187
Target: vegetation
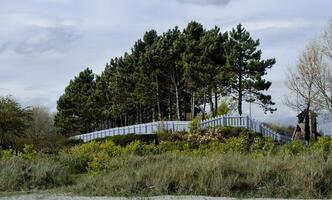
168, 76
231, 174
13, 121
285, 130
221, 161
171, 76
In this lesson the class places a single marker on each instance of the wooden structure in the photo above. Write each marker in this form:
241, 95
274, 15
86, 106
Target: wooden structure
306, 128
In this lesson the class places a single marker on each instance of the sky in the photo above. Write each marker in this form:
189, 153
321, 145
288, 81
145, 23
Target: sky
45, 43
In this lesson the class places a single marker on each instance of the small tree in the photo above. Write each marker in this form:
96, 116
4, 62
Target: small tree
41, 133
13, 121
301, 83
323, 80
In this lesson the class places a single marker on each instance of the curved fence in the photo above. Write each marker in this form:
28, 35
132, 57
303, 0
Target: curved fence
245, 122
147, 128
176, 126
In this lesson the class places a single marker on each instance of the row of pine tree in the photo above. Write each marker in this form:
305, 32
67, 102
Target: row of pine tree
172, 76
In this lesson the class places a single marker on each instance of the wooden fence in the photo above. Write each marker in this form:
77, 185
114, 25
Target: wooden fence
176, 126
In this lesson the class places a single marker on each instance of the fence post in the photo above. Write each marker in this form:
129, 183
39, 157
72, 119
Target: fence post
248, 123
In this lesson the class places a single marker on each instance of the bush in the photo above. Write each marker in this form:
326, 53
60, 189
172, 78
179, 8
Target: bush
6, 154
194, 126
77, 157
29, 152
239, 144
295, 148
124, 140
139, 148
323, 144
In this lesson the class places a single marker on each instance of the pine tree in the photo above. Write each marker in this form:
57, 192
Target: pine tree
247, 68
76, 109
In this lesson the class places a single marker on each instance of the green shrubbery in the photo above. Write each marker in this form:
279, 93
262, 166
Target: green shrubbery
220, 161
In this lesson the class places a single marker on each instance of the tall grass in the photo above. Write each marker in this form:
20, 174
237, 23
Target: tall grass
17, 174
231, 174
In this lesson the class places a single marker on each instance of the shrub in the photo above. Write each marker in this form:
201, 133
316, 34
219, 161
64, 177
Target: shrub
323, 144
71, 142
139, 148
194, 126
77, 157
294, 148
164, 136
110, 148
239, 144
123, 140
7, 154
99, 163
29, 152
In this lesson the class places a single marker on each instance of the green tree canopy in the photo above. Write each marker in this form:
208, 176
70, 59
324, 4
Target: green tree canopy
14, 119
248, 69
76, 108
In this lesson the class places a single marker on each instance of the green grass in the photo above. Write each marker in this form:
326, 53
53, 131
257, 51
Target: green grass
22, 175
230, 174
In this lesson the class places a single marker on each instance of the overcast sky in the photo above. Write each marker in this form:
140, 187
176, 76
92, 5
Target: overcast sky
45, 43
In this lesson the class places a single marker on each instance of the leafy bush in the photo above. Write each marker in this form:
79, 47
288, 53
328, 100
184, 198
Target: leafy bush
194, 126
323, 144
239, 144
295, 148
123, 140
139, 148
6, 154
77, 157
29, 152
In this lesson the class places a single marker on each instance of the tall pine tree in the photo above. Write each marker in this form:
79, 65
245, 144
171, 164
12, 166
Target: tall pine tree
247, 68
76, 108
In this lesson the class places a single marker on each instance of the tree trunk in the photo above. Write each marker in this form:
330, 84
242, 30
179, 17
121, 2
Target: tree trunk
204, 104
126, 119
140, 114
193, 106
216, 102
153, 113
239, 107
211, 104
177, 103
169, 107
158, 100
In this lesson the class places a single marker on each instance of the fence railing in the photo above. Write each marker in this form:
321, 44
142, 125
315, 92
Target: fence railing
176, 126
147, 128
246, 122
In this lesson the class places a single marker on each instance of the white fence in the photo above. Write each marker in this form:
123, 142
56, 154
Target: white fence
147, 128
176, 126
246, 122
